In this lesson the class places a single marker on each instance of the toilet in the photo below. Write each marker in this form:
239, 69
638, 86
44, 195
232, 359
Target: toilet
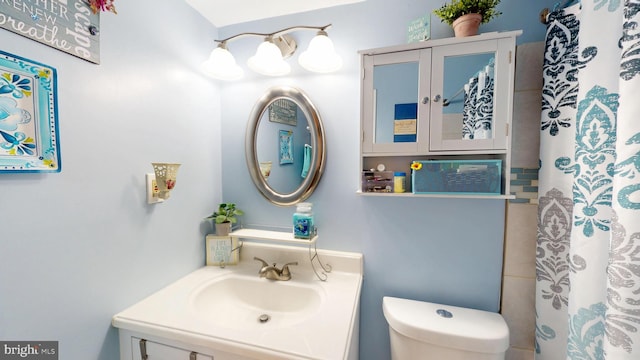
423, 331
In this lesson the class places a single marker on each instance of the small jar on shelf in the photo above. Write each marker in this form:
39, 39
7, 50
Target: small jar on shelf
303, 225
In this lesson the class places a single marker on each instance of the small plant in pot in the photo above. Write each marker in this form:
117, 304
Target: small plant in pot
465, 16
225, 216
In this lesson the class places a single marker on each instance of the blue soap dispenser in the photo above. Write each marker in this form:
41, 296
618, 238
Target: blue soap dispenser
303, 226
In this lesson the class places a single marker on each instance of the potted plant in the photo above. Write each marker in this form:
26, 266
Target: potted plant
225, 216
465, 16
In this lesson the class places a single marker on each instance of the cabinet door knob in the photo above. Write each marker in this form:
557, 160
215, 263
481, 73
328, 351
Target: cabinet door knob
437, 98
425, 99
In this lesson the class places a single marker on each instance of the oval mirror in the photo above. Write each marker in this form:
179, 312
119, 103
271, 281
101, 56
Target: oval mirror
285, 146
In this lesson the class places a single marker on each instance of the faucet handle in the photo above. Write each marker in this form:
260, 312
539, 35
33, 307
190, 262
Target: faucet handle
264, 263
285, 268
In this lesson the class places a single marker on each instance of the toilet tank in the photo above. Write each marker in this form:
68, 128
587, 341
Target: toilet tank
422, 330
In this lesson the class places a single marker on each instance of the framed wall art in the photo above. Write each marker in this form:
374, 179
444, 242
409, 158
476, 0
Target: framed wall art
286, 146
28, 116
419, 29
70, 26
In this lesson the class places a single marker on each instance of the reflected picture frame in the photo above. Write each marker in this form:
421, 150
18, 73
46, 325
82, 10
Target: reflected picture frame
285, 139
283, 111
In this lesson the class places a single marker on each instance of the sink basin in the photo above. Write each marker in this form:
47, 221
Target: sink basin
238, 302
233, 312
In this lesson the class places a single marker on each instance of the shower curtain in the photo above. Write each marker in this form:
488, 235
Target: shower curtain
588, 246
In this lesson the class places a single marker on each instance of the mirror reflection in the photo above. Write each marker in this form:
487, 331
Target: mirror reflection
396, 91
467, 99
285, 146
283, 134
468, 96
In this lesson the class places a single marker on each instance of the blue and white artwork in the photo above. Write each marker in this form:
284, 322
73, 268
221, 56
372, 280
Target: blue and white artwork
285, 138
28, 116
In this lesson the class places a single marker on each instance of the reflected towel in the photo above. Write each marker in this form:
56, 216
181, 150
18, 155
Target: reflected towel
306, 162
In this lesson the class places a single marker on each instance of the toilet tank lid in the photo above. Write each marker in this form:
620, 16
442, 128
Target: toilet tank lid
466, 329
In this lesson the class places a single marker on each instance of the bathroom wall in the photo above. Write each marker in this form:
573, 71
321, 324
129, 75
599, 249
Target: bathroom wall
518, 299
439, 250
79, 246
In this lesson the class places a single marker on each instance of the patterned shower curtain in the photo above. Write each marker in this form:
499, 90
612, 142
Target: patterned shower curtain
588, 249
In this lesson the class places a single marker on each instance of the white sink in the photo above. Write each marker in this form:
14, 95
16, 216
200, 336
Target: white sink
241, 302
222, 309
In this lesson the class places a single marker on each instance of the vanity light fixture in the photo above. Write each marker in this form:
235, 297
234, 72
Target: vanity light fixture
160, 184
270, 56
221, 65
320, 57
269, 60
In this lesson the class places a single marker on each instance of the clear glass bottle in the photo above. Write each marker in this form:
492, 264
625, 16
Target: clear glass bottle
303, 226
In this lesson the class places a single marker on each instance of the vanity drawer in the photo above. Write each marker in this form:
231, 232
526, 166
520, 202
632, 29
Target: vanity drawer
144, 349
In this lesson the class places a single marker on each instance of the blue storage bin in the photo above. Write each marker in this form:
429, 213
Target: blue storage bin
481, 177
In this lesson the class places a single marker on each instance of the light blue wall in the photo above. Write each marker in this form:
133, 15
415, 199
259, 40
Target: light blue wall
79, 246
440, 250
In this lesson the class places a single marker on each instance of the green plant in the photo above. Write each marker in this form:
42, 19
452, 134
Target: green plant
226, 212
450, 12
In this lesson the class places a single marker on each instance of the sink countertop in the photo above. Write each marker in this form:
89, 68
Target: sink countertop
325, 334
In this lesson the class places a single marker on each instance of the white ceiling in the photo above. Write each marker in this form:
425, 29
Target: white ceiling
227, 12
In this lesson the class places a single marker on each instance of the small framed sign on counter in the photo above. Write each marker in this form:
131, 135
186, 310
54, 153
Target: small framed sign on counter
222, 250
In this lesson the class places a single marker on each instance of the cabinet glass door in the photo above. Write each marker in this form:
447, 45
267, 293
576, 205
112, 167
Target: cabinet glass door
464, 115
392, 89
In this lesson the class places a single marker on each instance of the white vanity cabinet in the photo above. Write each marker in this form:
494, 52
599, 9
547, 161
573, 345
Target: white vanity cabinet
445, 99
139, 346
158, 351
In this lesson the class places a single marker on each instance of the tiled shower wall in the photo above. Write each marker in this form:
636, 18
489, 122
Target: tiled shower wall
518, 289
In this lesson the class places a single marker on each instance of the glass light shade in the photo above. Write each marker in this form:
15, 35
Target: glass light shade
222, 65
268, 60
320, 57
165, 178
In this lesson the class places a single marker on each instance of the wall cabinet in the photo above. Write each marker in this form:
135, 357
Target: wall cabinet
445, 99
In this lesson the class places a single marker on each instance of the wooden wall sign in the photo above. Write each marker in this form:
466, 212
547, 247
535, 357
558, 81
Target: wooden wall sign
67, 25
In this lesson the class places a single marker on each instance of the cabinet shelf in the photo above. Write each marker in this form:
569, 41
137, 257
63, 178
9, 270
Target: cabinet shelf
269, 235
448, 195
440, 42
438, 154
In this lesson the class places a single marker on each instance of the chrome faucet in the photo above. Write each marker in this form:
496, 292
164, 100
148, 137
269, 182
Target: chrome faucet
272, 272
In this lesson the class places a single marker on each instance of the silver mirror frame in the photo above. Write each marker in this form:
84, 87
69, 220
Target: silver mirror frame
316, 130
